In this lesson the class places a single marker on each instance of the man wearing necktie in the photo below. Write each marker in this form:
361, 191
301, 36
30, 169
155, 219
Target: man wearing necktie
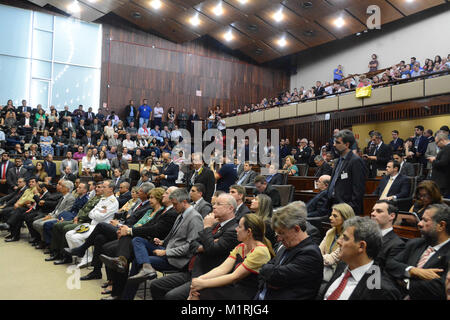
357, 276
4, 167
422, 266
393, 186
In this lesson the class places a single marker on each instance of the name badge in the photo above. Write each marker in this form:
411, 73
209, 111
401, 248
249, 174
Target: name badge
344, 175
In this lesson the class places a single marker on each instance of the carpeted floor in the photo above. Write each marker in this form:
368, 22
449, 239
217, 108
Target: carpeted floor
25, 275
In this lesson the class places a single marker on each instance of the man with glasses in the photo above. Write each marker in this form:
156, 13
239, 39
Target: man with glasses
440, 165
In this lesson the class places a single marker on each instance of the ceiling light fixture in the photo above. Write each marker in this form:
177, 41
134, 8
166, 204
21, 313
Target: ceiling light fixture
228, 36
195, 21
243, 1
74, 7
339, 22
282, 42
218, 10
156, 4
278, 16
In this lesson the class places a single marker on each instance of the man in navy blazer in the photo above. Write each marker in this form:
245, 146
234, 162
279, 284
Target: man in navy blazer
397, 143
424, 261
317, 206
50, 167
348, 180
169, 172
400, 187
420, 145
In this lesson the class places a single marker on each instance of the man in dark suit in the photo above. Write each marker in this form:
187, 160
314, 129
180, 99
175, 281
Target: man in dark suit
124, 193
348, 181
130, 112
50, 167
201, 174
380, 155
304, 151
88, 141
9, 201
385, 214
358, 277
5, 165
169, 172
15, 173
393, 186
296, 272
201, 205
420, 145
441, 164
323, 167
192, 119
247, 177
117, 179
424, 261
319, 90
397, 143
211, 248
262, 187
317, 206
239, 193
406, 168
274, 177
89, 116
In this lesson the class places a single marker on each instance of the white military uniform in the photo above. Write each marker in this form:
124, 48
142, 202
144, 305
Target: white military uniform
103, 212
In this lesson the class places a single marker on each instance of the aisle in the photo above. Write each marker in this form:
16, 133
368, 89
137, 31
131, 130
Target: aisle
25, 275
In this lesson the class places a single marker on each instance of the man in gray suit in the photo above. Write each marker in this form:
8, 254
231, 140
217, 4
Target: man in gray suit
65, 204
200, 204
173, 252
406, 168
247, 176
69, 162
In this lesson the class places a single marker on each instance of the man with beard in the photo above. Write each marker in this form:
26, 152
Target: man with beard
423, 264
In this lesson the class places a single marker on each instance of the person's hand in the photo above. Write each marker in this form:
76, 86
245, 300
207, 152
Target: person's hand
47, 217
431, 159
75, 220
114, 222
60, 220
41, 203
197, 284
159, 253
425, 274
209, 220
158, 242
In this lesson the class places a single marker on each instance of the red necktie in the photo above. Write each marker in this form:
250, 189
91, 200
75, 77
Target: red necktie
4, 170
338, 291
192, 261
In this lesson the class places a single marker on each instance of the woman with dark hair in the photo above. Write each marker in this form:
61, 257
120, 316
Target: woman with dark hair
102, 165
427, 193
237, 277
437, 59
262, 206
39, 172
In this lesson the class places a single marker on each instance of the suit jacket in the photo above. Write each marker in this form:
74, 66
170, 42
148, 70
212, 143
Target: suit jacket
217, 247
397, 144
243, 210
317, 206
304, 155
9, 165
50, 168
123, 198
84, 140
407, 169
431, 152
10, 201
206, 177
70, 130
421, 148
277, 179
50, 202
137, 213
313, 233
383, 155
181, 235
441, 170
70, 177
171, 170
249, 179
12, 176
65, 205
203, 207
410, 256
159, 227
324, 169
273, 194
387, 291
350, 184
293, 274
392, 245
117, 183
400, 188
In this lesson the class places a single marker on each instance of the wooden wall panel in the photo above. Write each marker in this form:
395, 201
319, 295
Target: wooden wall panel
139, 65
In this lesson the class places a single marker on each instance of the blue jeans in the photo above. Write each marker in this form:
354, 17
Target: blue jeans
141, 122
58, 150
48, 227
143, 252
131, 119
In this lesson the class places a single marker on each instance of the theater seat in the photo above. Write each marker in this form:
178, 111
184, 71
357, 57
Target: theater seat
286, 193
320, 223
403, 204
302, 169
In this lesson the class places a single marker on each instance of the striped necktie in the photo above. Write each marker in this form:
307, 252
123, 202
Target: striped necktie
425, 256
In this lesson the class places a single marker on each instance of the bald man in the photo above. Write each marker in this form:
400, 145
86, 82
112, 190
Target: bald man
317, 206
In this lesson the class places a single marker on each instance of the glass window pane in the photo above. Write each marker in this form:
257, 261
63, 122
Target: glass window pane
77, 42
41, 69
42, 45
43, 21
16, 41
15, 79
39, 93
73, 86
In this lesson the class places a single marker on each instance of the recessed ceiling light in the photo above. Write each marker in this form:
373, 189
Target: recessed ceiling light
74, 7
243, 1
228, 36
339, 22
278, 16
409, 1
282, 42
218, 10
195, 21
156, 4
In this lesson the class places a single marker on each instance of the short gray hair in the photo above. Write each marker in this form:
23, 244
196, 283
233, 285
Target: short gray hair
68, 184
146, 187
229, 199
289, 216
441, 135
366, 230
180, 195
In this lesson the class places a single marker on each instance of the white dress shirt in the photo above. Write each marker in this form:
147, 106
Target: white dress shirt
104, 210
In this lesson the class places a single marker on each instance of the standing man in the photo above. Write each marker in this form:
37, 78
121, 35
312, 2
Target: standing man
348, 180
441, 164
5, 165
397, 143
379, 155
130, 112
420, 145
144, 113
169, 172
158, 112
201, 174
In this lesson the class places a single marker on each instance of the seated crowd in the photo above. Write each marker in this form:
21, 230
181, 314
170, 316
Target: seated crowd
206, 237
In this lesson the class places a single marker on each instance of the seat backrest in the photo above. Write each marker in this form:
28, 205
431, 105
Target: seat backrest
286, 193
417, 169
302, 169
249, 190
134, 177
